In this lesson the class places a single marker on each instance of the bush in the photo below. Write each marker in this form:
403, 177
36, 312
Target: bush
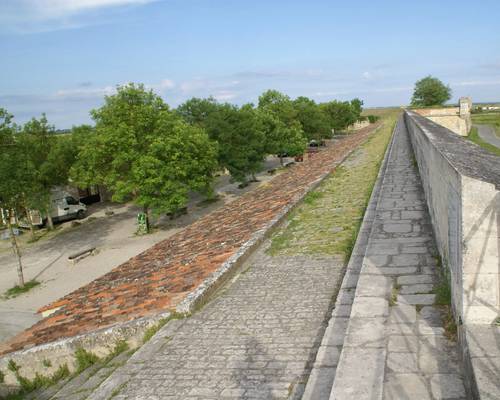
373, 118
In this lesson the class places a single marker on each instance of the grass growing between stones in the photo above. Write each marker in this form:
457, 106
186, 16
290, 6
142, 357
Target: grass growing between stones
328, 220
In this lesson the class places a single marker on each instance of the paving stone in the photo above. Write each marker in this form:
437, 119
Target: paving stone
415, 279
373, 286
403, 344
370, 307
404, 260
319, 384
402, 314
327, 356
447, 386
397, 228
417, 299
365, 332
406, 387
402, 362
419, 288
438, 362
360, 374
432, 316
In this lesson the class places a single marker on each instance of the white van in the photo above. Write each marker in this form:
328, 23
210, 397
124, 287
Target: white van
65, 206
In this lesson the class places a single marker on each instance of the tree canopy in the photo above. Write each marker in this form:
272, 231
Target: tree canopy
142, 151
430, 91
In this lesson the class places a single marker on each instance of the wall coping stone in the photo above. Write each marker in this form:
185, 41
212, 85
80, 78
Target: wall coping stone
465, 157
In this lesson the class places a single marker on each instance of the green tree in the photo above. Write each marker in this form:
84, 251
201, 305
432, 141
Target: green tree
241, 141
430, 91
198, 111
340, 114
15, 174
142, 151
41, 147
314, 122
357, 108
280, 138
238, 132
280, 105
283, 130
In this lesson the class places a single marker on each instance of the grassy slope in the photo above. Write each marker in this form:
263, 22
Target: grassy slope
474, 137
328, 220
492, 119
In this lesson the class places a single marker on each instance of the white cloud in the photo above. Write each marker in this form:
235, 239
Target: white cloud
22, 16
85, 92
224, 95
367, 75
477, 83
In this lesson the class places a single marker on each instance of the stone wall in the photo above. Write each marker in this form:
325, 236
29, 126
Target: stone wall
456, 119
461, 183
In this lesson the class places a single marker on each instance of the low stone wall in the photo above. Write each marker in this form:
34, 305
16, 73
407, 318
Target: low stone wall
456, 119
461, 183
46, 359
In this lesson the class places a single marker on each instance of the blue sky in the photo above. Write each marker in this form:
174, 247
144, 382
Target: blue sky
62, 56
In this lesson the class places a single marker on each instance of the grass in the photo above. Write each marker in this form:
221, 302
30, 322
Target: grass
328, 220
151, 331
84, 360
492, 119
18, 290
474, 137
394, 295
39, 381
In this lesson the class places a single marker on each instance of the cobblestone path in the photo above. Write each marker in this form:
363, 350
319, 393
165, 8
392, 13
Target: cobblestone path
164, 275
256, 340
396, 347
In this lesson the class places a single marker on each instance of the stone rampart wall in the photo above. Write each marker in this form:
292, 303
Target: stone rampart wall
461, 183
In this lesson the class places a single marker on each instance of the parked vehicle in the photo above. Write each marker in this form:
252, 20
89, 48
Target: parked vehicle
65, 206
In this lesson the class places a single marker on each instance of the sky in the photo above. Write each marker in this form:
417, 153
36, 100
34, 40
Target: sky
61, 57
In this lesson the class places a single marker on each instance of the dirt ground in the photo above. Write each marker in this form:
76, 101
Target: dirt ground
115, 240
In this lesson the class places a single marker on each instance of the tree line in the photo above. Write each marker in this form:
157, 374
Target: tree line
143, 151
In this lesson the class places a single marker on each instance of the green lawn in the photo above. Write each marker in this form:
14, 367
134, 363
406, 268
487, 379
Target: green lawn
327, 221
474, 137
492, 119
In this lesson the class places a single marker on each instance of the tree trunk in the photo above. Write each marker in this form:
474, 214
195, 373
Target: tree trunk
50, 223
28, 218
16, 250
145, 209
281, 159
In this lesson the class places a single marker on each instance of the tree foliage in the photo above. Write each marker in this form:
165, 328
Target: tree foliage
430, 91
237, 130
283, 130
144, 152
314, 121
341, 114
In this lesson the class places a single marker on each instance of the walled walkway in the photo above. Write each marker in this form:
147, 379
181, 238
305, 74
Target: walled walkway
396, 347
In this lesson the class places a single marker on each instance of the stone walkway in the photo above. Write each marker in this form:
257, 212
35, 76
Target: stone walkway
395, 347
256, 340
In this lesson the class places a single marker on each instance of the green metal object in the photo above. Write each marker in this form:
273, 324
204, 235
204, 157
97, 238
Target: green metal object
142, 223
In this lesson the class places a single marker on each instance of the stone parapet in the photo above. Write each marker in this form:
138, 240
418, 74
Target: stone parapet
461, 182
